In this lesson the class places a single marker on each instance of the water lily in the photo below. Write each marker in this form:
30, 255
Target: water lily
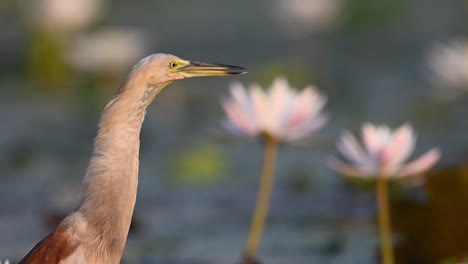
383, 156
281, 112
62, 15
449, 66
51, 25
384, 153
109, 50
301, 17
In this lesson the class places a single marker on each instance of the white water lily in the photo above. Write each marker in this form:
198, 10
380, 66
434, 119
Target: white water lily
281, 112
384, 154
108, 50
301, 17
62, 15
449, 65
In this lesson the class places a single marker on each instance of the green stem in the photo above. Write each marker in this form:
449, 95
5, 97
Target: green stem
384, 220
263, 198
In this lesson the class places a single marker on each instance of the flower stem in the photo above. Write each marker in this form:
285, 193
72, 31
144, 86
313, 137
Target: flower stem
384, 220
263, 197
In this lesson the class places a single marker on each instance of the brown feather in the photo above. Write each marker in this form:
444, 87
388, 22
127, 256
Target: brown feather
102, 220
51, 250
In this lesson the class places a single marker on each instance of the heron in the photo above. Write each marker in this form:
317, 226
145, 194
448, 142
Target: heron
96, 231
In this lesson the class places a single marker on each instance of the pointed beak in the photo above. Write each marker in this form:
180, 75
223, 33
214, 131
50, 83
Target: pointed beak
199, 69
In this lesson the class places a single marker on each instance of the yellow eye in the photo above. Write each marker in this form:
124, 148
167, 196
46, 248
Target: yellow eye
173, 64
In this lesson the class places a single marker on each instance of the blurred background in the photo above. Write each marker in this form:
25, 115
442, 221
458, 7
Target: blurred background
387, 62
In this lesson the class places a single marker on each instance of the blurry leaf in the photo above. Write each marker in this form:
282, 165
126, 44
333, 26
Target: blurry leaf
370, 14
198, 165
88, 99
297, 76
437, 229
430, 112
448, 261
46, 62
8, 7
362, 184
300, 182
20, 154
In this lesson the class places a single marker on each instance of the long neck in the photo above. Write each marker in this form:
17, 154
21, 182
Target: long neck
110, 184
111, 180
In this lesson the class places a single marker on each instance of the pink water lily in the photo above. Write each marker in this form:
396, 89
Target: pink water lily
280, 112
385, 153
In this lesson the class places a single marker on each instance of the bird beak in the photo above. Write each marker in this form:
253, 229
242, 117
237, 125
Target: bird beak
199, 69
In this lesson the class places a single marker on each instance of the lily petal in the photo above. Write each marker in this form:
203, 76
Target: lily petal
306, 128
233, 129
372, 138
421, 164
303, 115
238, 93
282, 98
239, 118
400, 147
312, 96
347, 169
349, 146
263, 107
281, 112
297, 117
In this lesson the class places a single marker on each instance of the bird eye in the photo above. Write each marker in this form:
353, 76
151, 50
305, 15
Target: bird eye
173, 64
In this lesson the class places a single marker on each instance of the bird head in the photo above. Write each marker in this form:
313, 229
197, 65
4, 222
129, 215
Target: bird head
154, 72
163, 68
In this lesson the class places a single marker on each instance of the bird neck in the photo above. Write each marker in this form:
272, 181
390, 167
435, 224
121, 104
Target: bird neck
110, 184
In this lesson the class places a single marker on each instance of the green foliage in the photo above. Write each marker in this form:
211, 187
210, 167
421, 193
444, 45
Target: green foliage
46, 61
370, 14
20, 155
298, 76
300, 183
448, 261
200, 164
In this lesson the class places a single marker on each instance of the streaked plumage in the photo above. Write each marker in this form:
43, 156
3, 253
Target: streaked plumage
96, 232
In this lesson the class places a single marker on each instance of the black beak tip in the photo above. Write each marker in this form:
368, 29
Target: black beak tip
229, 69
236, 70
